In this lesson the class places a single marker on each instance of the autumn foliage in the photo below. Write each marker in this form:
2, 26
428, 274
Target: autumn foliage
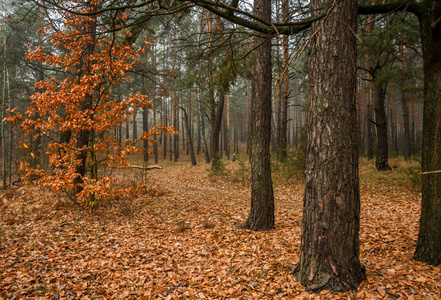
78, 111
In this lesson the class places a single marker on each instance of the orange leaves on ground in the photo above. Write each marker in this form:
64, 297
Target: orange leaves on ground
175, 237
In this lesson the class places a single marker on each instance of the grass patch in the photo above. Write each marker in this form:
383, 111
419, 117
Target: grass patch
403, 174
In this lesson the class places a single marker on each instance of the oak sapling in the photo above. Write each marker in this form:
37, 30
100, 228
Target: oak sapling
79, 112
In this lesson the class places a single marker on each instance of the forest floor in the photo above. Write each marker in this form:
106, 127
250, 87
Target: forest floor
177, 238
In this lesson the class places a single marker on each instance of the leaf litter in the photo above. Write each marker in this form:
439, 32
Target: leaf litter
179, 239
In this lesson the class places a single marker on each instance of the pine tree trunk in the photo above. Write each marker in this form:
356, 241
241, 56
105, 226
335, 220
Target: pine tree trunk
216, 129
135, 125
145, 128
204, 141
428, 248
190, 141
283, 142
3, 124
175, 104
164, 137
407, 142
155, 144
127, 130
329, 257
261, 215
199, 123
393, 121
369, 134
248, 112
227, 129
382, 160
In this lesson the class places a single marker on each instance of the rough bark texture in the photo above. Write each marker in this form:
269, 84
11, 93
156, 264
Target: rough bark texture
382, 160
262, 198
429, 237
329, 257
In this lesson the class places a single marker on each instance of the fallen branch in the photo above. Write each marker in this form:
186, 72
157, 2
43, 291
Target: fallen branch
14, 183
430, 172
152, 167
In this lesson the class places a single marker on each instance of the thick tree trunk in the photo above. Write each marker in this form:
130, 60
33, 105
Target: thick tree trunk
329, 257
428, 248
262, 198
382, 160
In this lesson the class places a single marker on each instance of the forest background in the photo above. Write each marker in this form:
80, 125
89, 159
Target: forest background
95, 93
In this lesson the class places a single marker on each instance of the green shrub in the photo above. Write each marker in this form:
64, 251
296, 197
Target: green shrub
217, 168
242, 175
293, 167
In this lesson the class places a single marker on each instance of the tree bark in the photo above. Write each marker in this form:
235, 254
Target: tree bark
248, 121
164, 113
204, 141
175, 104
283, 143
329, 257
190, 141
382, 159
216, 129
155, 145
261, 215
145, 127
84, 134
227, 127
405, 107
369, 127
393, 121
428, 248
135, 125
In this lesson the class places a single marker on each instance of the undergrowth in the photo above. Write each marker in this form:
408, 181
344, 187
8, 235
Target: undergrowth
404, 174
